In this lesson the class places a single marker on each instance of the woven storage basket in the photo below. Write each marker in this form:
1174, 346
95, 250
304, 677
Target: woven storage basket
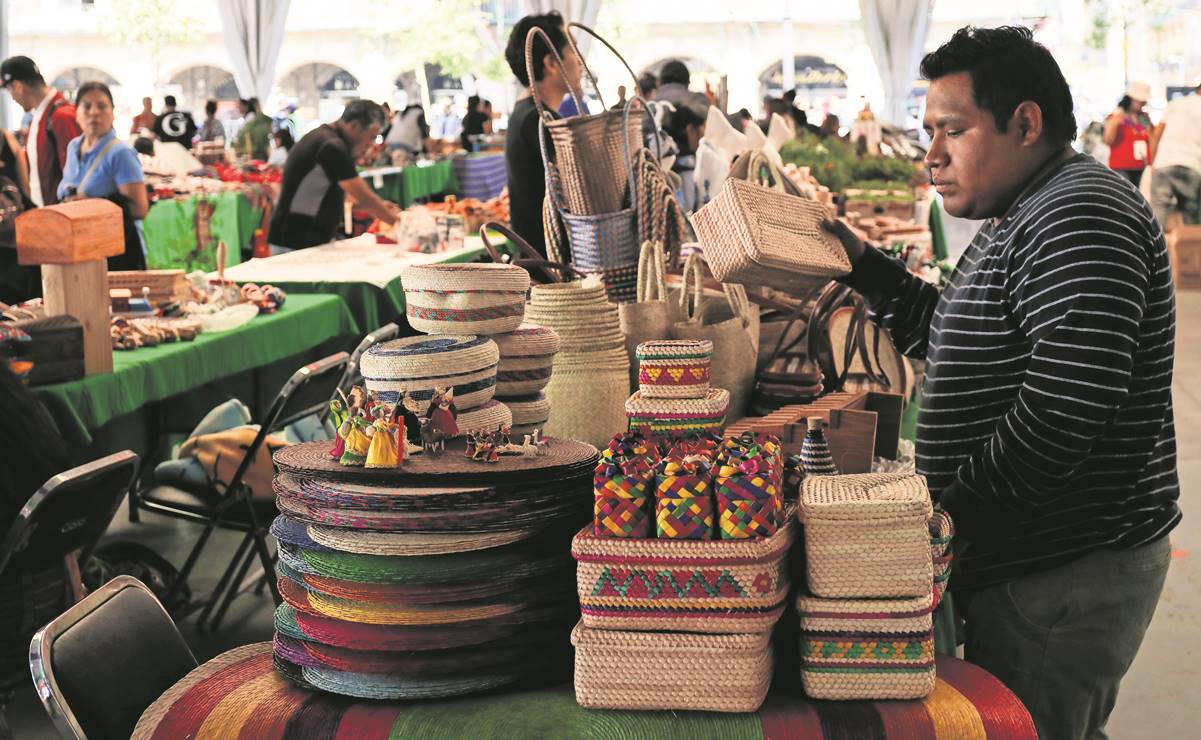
486, 298
489, 417
711, 586
756, 235
421, 364
867, 648
677, 368
526, 357
529, 413
587, 392
678, 416
867, 535
617, 669
942, 531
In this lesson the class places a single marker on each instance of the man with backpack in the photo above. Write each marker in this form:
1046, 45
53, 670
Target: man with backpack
52, 128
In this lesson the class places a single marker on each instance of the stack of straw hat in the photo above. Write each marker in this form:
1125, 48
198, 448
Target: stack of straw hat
590, 383
527, 358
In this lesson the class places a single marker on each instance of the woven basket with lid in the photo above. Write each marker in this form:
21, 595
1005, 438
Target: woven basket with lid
475, 298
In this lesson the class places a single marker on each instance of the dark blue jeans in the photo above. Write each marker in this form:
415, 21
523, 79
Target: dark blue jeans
1062, 639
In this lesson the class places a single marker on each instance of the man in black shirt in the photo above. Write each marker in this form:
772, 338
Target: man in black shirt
523, 158
174, 125
320, 170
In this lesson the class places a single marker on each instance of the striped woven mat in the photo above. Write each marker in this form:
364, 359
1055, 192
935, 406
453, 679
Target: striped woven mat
239, 694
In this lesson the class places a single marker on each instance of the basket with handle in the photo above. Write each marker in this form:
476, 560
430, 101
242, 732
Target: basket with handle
541, 270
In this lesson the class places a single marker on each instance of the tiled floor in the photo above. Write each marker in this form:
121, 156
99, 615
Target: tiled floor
1159, 694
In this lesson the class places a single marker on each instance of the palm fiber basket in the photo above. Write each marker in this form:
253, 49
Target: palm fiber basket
867, 648
618, 669
483, 298
757, 235
417, 365
709, 586
867, 535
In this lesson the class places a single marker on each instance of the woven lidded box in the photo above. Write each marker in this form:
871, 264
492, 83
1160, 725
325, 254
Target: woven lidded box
617, 669
674, 368
728, 586
867, 648
476, 298
678, 416
755, 235
527, 355
867, 535
420, 364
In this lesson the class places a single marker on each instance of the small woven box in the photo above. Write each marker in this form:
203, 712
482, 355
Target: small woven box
684, 518
755, 235
420, 364
526, 358
867, 535
748, 518
693, 585
529, 413
616, 669
867, 648
476, 298
621, 516
674, 368
674, 417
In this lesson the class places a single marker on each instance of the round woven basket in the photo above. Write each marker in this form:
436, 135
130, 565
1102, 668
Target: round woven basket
573, 292
491, 416
421, 364
477, 298
526, 358
587, 392
528, 340
676, 416
529, 412
674, 368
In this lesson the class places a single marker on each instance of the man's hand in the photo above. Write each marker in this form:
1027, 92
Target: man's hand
853, 240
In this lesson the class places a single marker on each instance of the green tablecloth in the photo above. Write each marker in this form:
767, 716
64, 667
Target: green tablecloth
171, 231
414, 183
388, 185
155, 373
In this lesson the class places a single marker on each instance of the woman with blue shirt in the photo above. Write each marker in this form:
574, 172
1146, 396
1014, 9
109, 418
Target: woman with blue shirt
100, 166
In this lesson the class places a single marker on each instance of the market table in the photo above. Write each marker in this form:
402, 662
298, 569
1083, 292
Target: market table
480, 176
170, 228
151, 374
364, 274
238, 694
407, 185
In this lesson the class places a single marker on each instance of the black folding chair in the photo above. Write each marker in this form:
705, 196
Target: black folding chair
105, 660
352, 376
65, 516
306, 393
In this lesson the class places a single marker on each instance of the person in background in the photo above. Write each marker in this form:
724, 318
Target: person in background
1128, 133
101, 166
174, 125
621, 98
282, 143
254, 138
448, 125
774, 106
52, 126
144, 121
17, 282
686, 127
320, 172
409, 131
12, 162
1046, 428
473, 122
830, 126
800, 122
648, 83
674, 79
524, 172
211, 129
1176, 179
489, 114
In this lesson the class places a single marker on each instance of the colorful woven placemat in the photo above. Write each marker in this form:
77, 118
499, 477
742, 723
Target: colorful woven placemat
411, 543
239, 694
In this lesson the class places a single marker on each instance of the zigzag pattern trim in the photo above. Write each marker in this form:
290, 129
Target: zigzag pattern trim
665, 584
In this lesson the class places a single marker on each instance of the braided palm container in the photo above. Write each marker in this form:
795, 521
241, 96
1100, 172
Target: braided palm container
492, 415
529, 413
677, 368
527, 356
867, 648
475, 298
867, 535
666, 417
710, 586
420, 364
617, 669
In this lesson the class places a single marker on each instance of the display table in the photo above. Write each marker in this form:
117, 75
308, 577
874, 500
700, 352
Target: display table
151, 374
170, 228
481, 176
407, 185
238, 694
364, 274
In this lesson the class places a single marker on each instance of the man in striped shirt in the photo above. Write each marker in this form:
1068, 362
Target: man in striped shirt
1046, 422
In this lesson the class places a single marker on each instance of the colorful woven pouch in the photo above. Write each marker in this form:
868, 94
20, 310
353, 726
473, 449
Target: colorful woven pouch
684, 518
621, 516
748, 518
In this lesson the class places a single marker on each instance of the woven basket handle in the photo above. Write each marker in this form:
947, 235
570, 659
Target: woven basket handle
584, 64
652, 285
529, 70
761, 171
692, 291
522, 245
740, 305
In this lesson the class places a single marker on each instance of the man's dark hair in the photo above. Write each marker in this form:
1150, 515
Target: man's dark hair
365, 112
22, 69
285, 139
210, 108
647, 82
675, 71
1007, 66
473, 102
800, 119
552, 24
169, 101
93, 86
790, 96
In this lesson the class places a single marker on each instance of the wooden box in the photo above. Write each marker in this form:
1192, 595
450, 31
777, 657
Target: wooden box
1184, 251
166, 286
70, 233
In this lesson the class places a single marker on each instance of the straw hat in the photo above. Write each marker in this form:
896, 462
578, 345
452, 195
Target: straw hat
1138, 91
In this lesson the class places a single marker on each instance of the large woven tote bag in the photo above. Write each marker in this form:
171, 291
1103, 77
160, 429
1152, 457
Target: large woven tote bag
650, 317
733, 329
592, 152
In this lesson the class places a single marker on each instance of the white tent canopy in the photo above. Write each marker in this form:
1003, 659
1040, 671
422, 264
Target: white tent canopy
896, 34
254, 33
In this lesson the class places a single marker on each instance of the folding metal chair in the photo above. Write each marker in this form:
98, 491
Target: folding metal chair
99, 665
352, 375
306, 393
65, 516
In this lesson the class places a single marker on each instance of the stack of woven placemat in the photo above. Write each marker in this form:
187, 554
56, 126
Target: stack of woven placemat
442, 577
877, 559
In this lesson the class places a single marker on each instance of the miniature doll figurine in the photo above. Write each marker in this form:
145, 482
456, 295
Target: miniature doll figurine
382, 452
352, 429
471, 445
411, 413
442, 412
337, 412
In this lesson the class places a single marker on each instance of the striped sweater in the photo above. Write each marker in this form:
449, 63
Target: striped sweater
1046, 422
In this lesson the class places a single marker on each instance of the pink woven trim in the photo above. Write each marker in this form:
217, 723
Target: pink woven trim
674, 609
682, 562
866, 615
865, 665
667, 416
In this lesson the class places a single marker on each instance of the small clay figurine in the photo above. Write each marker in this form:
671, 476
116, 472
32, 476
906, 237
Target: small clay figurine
353, 431
504, 437
472, 444
382, 453
443, 413
432, 439
542, 444
337, 412
411, 413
